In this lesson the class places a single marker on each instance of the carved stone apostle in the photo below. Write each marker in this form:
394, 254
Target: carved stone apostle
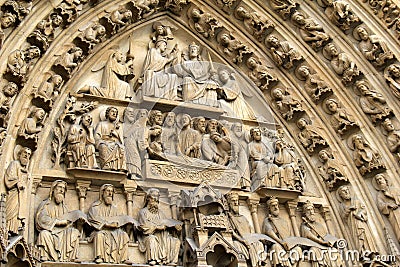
278, 228
158, 242
16, 180
392, 75
157, 80
365, 158
240, 150
331, 170
355, 214
261, 157
110, 239
109, 141
372, 102
260, 74
393, 136
81, 143
309, 135
314, 85
169, 135
282, 52
251, 248
388, 201
287, 105
58, 240
189, 140
341, 120
32, 125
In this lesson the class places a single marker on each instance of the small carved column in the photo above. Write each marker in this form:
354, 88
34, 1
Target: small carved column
36, 183
129, 191
173, 200
326, 213
82, 187
291, 207
253, 201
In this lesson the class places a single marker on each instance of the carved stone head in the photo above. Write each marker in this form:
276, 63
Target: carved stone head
255, 134
233, 200
111, 114
10, 89
344, 192
309, 211
24, 155
273, 206
7, 20
152, 199
107, 194
57, 191
381, 181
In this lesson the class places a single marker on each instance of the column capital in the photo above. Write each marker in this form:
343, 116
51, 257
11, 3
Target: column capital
82, 187
292, 206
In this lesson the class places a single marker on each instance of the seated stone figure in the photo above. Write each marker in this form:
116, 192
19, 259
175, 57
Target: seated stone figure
58, 240
110, 239
157, 241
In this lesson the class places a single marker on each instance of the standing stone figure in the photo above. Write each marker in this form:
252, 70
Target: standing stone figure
279, 229
110, 240
240, 159
189, 140
157, 241
355, 214
58, 240
388, 201
365, 158
16, 179
109, 141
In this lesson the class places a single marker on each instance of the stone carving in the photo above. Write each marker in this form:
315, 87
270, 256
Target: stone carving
176, 6
3, 135
10, 90
355, 214
372, 102
232, 47
215, 146
279, 229
286, 104
250, 247
58, 239
169, 135
68, 61
117, 19
197, 85
203, 22
392, 137
254, 23
43, 35
373, 47
240, 150
157, 240
331, 171
341, 120
317, 88
32, 125
261, 155
91, 36
388, 200
81, 144
340, 13
282, 52
392, 76
310, 30
14, 12
110, 239
366, 158
49, 90
20, 63
189, 140
309, 136
233, 88
69, 10
109, 141
341, 64
226, 5
283, 7
260, 74
157, 80
16, 180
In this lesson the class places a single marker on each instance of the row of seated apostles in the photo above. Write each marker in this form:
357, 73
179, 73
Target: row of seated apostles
159, 237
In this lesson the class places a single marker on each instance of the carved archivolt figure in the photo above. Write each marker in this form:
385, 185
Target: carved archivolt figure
233, 47
331, 170
392, 75
33, 124
20, 62
110, 239
309, 136
16, 180
373, 47
341, 14
43, 35
91, 36
203, 22
261, 75
310, 30
10, 90
279, 229
158, 239
355, 216
393, 137
283, 7
314, 85
253, 23
341, 64
148, 6
118, 18
58, 239
261, 155
388, 201
287, 105
372, 102
69, 60
341, 120
161, 32
242, 236
282, 52
157, 79
365, 158
109, 141
50, 89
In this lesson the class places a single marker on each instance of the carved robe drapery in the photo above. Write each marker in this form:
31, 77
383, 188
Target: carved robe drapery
112, 84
